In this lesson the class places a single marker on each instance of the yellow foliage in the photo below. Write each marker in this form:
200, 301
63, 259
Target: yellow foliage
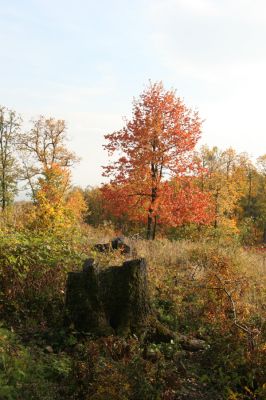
56, 206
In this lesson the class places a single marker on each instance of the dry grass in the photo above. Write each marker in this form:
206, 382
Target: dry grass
208, 273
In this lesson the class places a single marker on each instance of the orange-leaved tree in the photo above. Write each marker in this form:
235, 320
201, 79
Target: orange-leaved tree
155, 151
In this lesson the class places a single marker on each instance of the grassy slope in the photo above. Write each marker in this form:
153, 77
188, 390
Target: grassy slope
195, 288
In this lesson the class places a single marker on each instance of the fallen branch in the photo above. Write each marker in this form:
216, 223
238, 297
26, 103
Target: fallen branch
239, 325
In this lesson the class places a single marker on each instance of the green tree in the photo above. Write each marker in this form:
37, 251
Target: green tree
10, 124
95, 204
261, 195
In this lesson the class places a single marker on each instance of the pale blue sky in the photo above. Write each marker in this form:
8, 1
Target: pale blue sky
83, 61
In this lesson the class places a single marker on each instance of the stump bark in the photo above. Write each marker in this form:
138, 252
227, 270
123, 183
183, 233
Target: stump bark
83, 306
114, 300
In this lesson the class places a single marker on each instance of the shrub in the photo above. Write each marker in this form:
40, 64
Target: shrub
33, 268
30, 373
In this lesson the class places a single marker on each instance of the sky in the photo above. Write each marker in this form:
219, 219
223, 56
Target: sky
83, 61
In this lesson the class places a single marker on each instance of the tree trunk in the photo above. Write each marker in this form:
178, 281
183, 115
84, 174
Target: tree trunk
3, 185
216, 210
264, 234
114, 300
152, 220
149, 226
154, 227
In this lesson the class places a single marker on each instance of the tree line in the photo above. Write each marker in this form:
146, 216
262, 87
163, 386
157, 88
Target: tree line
158, 181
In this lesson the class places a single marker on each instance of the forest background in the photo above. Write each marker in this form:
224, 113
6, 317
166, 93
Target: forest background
203, 212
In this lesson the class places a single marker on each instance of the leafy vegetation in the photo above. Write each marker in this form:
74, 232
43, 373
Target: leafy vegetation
190, 283
206, 269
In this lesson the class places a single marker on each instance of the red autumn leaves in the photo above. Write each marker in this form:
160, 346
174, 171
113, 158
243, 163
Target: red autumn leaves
153, 177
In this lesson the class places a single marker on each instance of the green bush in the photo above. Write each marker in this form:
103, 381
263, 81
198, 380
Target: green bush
30, 373
33, 268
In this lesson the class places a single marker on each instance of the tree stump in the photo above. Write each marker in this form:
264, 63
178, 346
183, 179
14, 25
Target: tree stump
114, 300
83, 306
117, 243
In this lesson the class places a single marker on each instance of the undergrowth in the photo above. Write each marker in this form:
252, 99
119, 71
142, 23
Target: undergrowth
212, 292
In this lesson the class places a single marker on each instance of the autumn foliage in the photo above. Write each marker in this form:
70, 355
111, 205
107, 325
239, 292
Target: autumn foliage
57, 205
207, 289
150, 180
